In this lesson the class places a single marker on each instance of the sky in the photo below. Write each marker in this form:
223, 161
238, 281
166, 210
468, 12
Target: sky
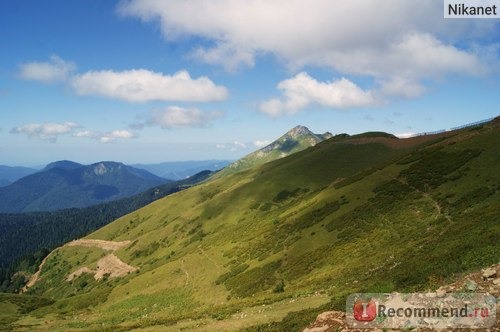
147, 81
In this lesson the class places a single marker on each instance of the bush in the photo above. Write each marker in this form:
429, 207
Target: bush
279, 287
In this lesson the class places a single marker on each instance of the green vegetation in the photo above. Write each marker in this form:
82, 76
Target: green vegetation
297, 139
25, 239
271, 247
66, 184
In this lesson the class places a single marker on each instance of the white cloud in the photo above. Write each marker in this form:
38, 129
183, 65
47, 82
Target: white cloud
377, 38
302, 90
399, 45
227, 55
401, 87
232, 146
105, 137
55, 70
261, 144
240, 144
178, 117
51, 131
143, 85
45, 131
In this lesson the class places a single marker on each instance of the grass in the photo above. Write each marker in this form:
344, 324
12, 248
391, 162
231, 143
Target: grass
344, 216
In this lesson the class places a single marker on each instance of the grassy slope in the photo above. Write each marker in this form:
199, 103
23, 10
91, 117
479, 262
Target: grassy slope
283, 146
364, 214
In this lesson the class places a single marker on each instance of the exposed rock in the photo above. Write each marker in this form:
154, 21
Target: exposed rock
328, 321
471, 285
489, 273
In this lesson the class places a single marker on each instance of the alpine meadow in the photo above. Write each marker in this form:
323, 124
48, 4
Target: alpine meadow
271, 247
249, 165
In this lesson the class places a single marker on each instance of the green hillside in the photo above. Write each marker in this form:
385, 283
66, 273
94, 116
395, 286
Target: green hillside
295, 140
270, 247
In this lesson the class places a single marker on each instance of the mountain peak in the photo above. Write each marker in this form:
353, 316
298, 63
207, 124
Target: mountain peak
63, 164
296, 139
298, 131
104, 167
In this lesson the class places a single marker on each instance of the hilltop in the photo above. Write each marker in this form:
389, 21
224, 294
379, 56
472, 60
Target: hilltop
271, 247
295, 140
9, 174
66, 184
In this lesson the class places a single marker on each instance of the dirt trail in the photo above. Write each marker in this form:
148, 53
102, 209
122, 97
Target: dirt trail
113, 266
436, 204
109, 265
203, 252
34, 278
185, 272
106, 245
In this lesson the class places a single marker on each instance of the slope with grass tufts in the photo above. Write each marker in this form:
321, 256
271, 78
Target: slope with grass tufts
271, 247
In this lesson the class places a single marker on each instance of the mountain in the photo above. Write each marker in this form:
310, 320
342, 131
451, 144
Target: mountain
179, 170
297, 139
65, 184
26, 238
270, 248
10, 174
63, 164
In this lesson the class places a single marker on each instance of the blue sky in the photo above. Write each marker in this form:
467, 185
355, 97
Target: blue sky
151, 81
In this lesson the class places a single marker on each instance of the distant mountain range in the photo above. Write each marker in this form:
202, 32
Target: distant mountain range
10, 174
295, 140
179, 170
284, 241
25, 234
66, 184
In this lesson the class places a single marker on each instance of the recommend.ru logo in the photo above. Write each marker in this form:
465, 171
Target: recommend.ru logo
418, 310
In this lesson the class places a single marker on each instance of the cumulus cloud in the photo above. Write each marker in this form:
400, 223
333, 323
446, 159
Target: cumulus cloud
178, 117
105, 137
51, 131
143, 85
227, 55
55, 70
45, 131
340, 34
302, 90
260, 144
398, 45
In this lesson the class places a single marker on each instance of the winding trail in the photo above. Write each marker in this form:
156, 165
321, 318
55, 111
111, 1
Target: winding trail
203, 252
436, 204
109, 265
185, 272
34, 278
103, 244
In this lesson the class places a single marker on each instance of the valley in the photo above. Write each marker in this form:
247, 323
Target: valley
271, 247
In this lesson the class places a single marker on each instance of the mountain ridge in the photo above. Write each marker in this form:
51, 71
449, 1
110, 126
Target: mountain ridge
296, 139
10, 174
270, 248
66, 184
